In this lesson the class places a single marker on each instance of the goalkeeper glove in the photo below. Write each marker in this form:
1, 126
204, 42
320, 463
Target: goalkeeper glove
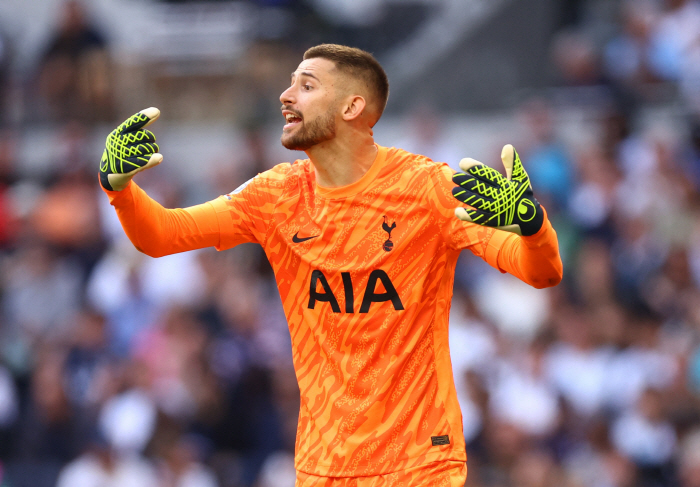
505, 203
129, 150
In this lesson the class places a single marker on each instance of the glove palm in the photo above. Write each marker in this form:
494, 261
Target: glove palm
505, 203
129, 150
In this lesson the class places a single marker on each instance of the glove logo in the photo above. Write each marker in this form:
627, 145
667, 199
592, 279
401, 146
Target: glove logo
526, 210
388, 245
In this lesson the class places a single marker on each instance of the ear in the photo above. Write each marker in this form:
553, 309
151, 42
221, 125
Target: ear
353, 107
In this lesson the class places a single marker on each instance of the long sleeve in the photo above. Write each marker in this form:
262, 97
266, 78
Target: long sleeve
534, 259
157, 231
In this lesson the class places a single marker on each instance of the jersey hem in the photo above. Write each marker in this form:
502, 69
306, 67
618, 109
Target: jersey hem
429, 458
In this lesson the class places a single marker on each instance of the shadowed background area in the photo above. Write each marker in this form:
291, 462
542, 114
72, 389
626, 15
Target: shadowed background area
122, 370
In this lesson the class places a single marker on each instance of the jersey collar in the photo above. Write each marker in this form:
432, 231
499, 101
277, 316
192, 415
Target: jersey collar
359, 185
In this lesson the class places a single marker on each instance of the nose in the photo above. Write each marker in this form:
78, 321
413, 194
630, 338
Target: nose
287, 97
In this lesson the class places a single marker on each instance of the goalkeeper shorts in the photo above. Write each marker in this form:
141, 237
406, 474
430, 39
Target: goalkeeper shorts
440, 474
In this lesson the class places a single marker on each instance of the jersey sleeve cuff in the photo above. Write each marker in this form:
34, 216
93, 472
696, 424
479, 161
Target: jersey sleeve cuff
542, 236
116, 196
494, 247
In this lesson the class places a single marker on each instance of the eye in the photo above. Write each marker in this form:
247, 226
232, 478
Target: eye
307, 87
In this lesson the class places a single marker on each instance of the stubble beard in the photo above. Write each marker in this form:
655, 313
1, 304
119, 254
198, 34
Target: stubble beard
321, 129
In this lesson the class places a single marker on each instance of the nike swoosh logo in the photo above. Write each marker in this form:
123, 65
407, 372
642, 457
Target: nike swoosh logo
296, 239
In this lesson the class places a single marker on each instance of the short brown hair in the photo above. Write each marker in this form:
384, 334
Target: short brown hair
359, 64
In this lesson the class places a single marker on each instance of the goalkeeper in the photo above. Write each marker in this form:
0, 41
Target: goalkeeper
363, 240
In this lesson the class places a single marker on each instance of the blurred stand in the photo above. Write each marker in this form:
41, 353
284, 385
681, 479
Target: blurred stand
120, 369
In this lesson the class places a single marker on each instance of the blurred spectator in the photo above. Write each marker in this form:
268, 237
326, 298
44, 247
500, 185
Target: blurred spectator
171, 354
636, 256
99, 466
74, 79
590, 204
87, 362
626, 56
6, 55
65, 215
8, 217
472, 345
548, 163
122, 370
537, 469
8, 399
690, 459
576, 365
133, 290
594, 281
42, 292
278, 471
689, 154
9, 410
646, 436
427, 137
180, 465
527, 312
575, 56
127, 420
50, 433
676, 34
638, 367
521, 395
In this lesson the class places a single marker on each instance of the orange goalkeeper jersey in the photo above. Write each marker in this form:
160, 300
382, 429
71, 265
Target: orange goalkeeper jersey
365, 273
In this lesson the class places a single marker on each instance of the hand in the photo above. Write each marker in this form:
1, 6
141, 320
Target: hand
129, 150
505, 203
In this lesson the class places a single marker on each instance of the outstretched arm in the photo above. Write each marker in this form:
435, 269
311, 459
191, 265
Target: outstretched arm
154, 230
157, 231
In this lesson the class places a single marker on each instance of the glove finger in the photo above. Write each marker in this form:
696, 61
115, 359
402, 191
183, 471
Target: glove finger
146, 162
483, 189
476, 216
482, 217
142, 149
473, 199
471, 181
131, 151
513, 164
488, 175
135, 122
127, 164
467, 163
139, 120
508, 156
138, 137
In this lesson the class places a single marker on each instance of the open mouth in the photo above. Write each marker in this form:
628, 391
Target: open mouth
292, 119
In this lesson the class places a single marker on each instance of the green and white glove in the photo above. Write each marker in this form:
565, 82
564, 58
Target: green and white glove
129, 150
505, 203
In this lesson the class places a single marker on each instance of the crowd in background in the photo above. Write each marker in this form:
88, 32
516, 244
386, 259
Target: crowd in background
122, 370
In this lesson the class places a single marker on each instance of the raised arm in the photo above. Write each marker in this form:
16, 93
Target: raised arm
527, 246
154, 230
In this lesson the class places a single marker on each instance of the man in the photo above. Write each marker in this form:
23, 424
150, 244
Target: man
363, 240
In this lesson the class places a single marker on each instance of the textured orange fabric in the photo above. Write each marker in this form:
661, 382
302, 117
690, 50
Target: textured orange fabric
365, 273
440, 474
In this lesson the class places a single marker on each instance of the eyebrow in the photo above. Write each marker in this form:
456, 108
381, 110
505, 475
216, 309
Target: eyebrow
306, 73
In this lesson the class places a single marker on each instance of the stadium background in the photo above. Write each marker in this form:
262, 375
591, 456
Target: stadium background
177, 371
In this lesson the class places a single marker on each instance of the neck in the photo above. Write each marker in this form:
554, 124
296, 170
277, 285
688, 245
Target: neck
342, 161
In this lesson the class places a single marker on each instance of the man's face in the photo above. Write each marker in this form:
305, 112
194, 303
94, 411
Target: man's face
310, 105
